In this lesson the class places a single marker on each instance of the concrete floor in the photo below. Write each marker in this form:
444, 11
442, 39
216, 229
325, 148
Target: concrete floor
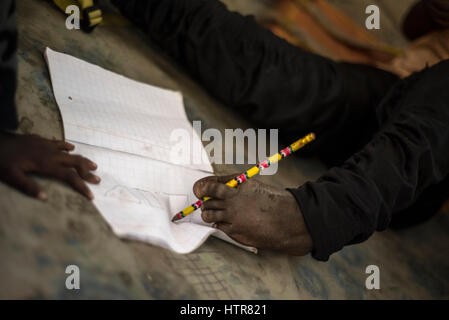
38, 240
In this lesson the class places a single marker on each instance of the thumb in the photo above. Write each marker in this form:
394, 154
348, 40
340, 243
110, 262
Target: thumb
220, 179
226, 179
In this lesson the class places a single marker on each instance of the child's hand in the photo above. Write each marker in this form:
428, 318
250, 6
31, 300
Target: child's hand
255, 214
22, 154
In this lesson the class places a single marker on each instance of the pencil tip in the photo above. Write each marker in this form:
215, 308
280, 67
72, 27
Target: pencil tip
175, 218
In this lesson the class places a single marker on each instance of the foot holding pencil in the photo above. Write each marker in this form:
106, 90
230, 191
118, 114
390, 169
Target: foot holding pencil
254, 213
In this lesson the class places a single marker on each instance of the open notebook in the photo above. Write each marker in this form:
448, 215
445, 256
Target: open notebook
124, 126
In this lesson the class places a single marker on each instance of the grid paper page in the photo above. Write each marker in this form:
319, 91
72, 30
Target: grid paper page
137, 196
123, 126
104, 109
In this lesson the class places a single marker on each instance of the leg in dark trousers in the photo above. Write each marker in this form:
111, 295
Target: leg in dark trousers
264, 78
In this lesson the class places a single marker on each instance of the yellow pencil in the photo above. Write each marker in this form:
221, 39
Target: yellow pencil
250, 173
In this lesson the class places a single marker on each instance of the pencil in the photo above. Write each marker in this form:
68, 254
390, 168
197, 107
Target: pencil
250, 173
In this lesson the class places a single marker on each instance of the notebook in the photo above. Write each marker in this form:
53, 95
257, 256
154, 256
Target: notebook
126, 128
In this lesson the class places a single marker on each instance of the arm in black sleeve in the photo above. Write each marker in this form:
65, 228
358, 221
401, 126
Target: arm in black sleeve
8, 65
409, 154
266, 79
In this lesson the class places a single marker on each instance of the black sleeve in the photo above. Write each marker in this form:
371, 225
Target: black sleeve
8, 65
438, 11
409, 155
264, 78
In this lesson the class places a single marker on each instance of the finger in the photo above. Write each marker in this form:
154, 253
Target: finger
213, 189
213, 204
226, 179
82, 165
22, 182
219, 179
198, 185
64, 146
210, 216
86, 162
72, 178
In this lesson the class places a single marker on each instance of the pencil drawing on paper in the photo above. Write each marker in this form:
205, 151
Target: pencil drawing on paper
154, 199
